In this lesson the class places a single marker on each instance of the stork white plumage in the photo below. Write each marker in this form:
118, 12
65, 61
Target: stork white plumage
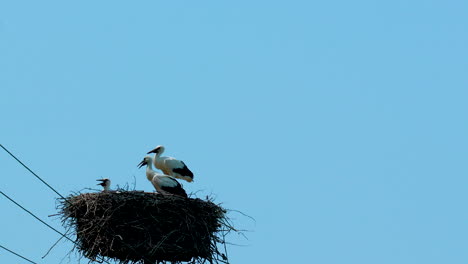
164, 184
105, 183
170, 165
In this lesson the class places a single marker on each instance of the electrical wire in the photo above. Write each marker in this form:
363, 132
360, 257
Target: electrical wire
33, 215
40, 220
33, 173
37, 176
14, 253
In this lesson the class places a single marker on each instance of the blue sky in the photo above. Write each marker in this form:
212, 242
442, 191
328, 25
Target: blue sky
340, 126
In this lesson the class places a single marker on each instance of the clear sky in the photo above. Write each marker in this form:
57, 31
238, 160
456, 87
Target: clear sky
340, 126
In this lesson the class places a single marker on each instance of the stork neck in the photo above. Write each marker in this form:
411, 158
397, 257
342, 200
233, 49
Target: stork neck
149, 171
157, 155
149, 165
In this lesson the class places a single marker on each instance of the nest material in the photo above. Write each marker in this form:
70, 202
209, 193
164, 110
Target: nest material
139, 227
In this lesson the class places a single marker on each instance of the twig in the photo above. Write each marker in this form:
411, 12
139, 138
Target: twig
50, 249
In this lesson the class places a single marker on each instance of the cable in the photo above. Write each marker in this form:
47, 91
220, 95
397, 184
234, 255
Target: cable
26, 210
37, 176
40, 220
14, 253
33, 215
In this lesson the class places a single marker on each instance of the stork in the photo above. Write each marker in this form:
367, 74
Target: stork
105, 183
171, 166
164, 184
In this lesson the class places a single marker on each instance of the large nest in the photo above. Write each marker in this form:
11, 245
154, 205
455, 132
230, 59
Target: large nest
140, 227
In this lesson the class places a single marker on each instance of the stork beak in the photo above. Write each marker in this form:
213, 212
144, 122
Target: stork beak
153, 151
142, 163
101, 180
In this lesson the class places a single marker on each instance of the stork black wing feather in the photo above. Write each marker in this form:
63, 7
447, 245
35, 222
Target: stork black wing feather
183, 171
178, 190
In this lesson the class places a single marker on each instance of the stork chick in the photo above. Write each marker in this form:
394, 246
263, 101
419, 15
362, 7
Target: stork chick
171, 166
105, 183
164, 184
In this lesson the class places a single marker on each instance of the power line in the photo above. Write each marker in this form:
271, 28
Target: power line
37, 176
14, 253
40, 220
33, 173
33, 215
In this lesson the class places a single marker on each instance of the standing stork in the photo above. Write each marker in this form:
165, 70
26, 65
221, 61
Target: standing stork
105, 183
164, 184
170, 165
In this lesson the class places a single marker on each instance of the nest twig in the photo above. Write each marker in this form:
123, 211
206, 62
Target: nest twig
140, 227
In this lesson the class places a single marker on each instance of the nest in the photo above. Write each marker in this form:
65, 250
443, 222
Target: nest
140, 227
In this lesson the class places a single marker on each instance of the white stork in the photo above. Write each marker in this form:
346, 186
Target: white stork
171, 166
164, 184
105, 183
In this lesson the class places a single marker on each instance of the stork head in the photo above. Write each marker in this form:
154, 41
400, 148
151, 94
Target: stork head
146, 160
158, 150
105, 183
